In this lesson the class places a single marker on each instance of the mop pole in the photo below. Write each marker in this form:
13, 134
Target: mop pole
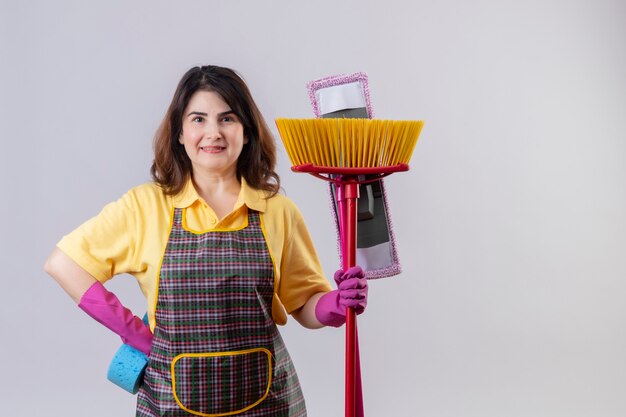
347, 195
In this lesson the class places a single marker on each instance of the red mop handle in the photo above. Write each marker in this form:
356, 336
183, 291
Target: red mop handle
347, 195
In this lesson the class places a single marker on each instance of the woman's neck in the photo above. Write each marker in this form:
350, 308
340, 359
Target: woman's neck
219, 192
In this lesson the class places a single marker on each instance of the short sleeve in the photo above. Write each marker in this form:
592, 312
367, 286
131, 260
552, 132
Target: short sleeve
301, 272
105, 245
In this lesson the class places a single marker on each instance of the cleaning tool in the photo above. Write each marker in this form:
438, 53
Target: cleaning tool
128, 366
347, 96
343, 151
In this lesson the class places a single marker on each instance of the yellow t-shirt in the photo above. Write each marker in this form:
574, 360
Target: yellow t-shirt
130, 235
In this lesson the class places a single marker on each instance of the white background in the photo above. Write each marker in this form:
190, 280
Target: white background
511, 224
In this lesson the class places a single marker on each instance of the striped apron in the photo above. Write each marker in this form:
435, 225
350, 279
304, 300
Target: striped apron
216, 348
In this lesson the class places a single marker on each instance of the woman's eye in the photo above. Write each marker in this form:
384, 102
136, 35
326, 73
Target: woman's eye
197, 119
227, 119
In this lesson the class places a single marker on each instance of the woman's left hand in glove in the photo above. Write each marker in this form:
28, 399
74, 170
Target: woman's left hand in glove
351, 293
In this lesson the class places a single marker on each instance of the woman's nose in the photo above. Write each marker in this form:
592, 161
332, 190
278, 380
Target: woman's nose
212, 129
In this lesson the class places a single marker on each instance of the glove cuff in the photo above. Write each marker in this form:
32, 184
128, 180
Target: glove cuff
328, 311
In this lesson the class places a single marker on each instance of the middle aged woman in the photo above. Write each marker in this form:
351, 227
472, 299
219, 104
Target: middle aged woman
220, 256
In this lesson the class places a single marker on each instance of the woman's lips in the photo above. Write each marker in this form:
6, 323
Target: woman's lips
212, 149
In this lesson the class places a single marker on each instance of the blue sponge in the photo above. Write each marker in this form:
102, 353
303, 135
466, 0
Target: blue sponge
127, 367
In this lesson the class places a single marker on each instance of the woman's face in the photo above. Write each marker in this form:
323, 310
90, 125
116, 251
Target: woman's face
212, 135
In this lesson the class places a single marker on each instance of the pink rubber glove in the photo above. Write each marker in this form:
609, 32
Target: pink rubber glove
104, 307
352, 292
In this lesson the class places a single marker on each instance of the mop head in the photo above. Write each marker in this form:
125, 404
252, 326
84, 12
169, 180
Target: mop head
348, 96
343, 95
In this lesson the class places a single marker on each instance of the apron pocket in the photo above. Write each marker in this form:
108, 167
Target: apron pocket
221, 383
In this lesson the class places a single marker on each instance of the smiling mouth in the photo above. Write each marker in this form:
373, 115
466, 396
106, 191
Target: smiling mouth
212, 148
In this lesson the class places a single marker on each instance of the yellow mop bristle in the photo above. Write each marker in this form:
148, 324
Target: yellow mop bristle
349, 143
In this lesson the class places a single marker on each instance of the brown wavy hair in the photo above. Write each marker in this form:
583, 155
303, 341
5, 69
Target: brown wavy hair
171, 167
